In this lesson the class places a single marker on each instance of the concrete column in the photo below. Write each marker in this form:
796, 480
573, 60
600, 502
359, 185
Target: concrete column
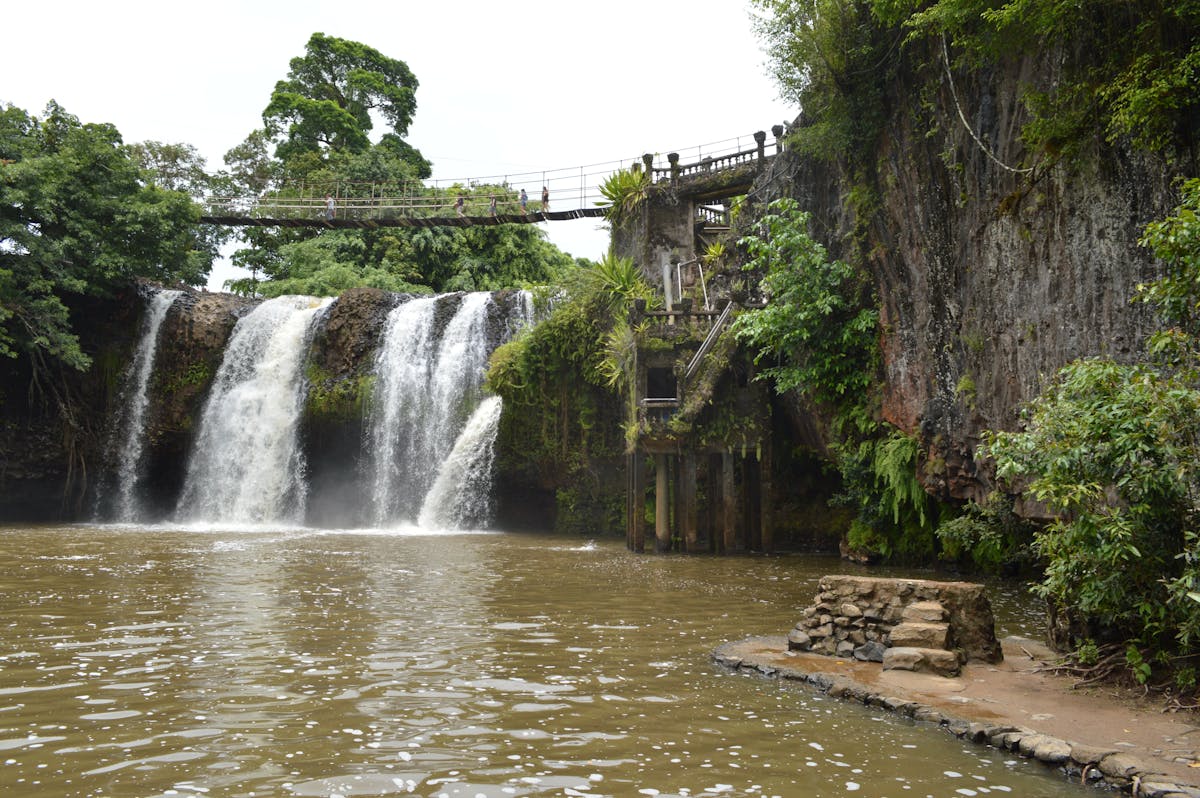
687, 501
777, 130
662, 505
636, 535
766, 505
673, 159
760, 139
728, 504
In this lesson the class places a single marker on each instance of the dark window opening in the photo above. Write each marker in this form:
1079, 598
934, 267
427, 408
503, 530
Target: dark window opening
660, 383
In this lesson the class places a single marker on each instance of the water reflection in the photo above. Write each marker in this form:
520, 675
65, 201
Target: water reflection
146, 662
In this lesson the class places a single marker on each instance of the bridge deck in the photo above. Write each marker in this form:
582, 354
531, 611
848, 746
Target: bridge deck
406, 221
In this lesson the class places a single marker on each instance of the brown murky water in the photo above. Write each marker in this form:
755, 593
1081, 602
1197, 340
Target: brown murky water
154, 662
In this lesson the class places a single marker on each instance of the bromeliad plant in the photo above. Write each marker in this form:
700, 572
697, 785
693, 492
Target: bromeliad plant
624, 191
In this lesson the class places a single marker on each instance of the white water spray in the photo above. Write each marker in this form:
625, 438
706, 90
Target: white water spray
247, 465
429, 384
129, 435
461, 494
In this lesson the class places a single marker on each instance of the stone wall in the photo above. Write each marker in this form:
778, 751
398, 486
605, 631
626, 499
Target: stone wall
908, 624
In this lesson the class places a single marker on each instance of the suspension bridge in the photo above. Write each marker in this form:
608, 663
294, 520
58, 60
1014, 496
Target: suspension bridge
573, 193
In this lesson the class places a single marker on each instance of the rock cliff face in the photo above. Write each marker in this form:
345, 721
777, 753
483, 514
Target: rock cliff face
989, 279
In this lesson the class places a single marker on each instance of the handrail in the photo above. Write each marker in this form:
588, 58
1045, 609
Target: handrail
708, 343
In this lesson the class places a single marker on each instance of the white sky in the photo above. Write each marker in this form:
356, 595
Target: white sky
506, 87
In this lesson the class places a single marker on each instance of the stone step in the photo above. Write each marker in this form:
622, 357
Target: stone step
925, 612
912, 634
921, 660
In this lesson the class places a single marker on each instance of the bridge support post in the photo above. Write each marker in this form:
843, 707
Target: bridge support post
760, 139
635, 536
766, 506
673, 159
687, 496
777, 131
728, 505
662, 505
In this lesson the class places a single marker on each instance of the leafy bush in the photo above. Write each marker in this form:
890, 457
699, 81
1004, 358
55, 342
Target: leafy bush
820, 326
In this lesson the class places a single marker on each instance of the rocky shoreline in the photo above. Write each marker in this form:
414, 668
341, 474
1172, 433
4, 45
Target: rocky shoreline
995, 706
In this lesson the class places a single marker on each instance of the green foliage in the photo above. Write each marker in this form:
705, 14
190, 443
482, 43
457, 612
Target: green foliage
833, 59
1176, 295
337, 399
1112, 449
820, 324
1128, 71
556, 379
896, 517
331, 93
989, 537
624, 191
78, 215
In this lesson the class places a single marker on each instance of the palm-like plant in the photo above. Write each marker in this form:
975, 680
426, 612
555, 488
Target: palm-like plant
623, 191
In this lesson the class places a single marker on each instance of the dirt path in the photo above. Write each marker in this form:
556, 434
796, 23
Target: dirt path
1094, 721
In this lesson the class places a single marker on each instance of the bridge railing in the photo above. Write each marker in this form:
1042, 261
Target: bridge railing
713, 162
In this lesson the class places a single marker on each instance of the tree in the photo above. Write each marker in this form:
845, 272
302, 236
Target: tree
330, 94
78, 215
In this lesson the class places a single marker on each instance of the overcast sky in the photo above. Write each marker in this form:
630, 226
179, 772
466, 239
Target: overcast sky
506, 88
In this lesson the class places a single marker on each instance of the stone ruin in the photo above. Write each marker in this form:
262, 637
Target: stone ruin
906, 624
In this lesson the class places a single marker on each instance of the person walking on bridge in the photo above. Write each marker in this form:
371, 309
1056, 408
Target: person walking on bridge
545, 199
524, 202
330, 207
458, 206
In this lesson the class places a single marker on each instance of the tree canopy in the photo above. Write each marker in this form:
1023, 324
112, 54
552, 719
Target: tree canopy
317, 133
80, 215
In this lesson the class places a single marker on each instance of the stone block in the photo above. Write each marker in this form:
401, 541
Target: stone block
845, 649
856, 637
921, 635
824, 630
850, 610
925, 612
922, 660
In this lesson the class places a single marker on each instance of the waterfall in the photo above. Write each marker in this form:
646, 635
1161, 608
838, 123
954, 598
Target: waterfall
128, 432
246, 465
460, 495
428, 385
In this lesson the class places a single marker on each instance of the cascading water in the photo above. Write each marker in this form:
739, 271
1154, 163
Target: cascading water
461, 496
128, 434
247, 465
428, 385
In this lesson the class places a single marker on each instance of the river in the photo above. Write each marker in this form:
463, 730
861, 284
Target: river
140, 661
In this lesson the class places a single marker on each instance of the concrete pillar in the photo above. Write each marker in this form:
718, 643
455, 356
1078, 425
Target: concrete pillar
687, 501
766, 505
777, 130
673, 159
636, 534
760, 139
728, 505
648, 160
662, 505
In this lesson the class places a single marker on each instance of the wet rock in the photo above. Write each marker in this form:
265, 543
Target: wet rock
870, 651
799, 641
925, 612
924, 660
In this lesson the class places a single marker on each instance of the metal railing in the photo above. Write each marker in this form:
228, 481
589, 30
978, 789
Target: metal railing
710, 340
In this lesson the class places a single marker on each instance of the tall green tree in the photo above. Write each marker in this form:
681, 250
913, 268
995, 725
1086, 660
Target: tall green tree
330, 94
80, 216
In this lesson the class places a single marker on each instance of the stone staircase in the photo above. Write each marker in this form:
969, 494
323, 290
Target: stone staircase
921, 641
905, 624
